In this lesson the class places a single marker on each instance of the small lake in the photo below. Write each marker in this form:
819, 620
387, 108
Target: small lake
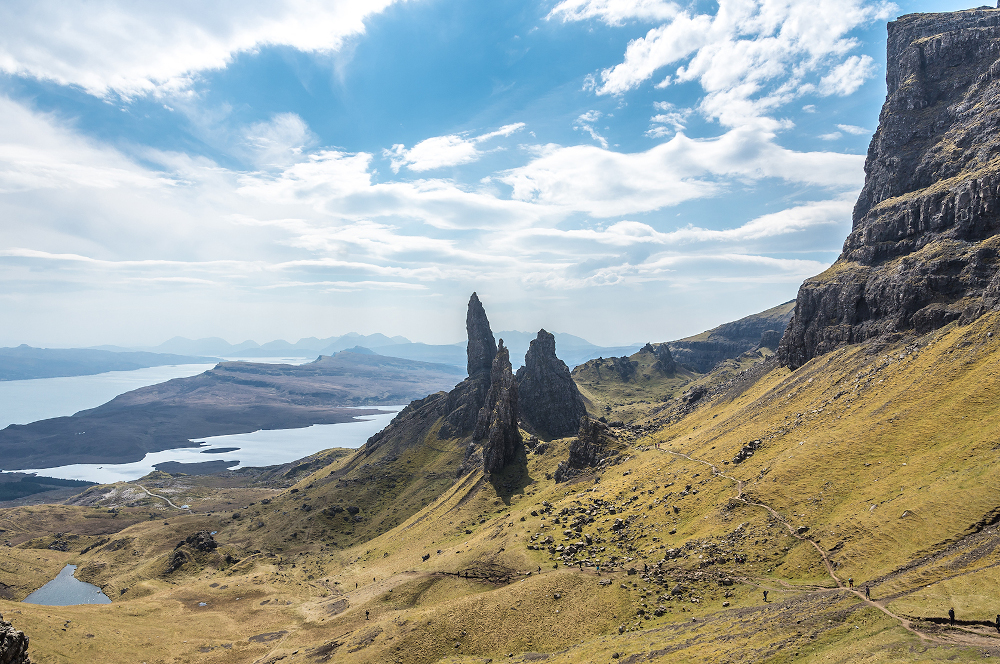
260, 448
66, 589
26, 401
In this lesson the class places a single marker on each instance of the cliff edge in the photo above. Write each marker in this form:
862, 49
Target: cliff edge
923, 247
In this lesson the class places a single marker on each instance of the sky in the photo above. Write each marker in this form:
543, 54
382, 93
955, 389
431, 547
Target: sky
623, 170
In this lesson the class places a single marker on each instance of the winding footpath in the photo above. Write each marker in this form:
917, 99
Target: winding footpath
969, 638
156, 495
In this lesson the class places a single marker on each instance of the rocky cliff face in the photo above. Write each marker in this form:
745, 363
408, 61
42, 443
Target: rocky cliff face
664, 359
496, 427
551, 405
923, 248
462, 406
482, 346
703, 352
13, 644
594, 443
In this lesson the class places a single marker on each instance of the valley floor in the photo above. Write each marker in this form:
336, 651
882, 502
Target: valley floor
874, 464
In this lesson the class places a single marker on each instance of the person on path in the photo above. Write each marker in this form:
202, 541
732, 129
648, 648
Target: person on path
998, 617
539, 569
868, 593
366, 614
998, 622
951, 616
850, 582
765, 595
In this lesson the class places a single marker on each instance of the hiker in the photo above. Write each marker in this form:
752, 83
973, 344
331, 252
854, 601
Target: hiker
998, 617
868, 593
765, 595
581, 567
998, 622
645, 568
366, 614
850, 582
951, 616
539, 569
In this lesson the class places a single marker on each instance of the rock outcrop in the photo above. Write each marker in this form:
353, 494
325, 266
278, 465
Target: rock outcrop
550, 403
594, 442
482, 347
496, 426
923, 247
703, 352
462, 406
13, 644
664, 359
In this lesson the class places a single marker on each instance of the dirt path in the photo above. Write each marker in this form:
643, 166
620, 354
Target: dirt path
154, 495
966, 637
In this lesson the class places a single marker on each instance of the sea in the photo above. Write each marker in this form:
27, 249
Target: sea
25, 401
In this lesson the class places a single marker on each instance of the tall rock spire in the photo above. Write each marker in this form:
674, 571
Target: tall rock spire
482, 346
496, 427
551, 404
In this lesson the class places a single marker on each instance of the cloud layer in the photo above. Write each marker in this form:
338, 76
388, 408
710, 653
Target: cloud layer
133, 48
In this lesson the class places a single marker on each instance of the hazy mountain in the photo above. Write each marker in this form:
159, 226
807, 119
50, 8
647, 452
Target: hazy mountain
25, 362
207, 346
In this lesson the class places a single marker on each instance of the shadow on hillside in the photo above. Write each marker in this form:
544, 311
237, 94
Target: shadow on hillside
512, 479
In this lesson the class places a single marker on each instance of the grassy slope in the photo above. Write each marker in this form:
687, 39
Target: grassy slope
836, 435
608, 395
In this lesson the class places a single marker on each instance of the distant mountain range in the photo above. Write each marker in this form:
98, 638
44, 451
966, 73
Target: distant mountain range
571, 349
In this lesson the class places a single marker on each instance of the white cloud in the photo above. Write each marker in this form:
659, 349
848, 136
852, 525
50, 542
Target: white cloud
154, 235
280, 141
442, 151
605, 183
750, 57
614, 12
585, 123
669, 121
138, 48
832, 136
848, 76
853, 129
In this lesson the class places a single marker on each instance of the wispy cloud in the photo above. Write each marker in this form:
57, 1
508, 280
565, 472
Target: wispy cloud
443, 151
585, 123
614, 12
133, 49
749, 57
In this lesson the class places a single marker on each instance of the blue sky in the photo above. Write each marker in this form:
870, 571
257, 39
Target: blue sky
624, 170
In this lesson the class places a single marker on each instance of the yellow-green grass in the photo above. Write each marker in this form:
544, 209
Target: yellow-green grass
932, 410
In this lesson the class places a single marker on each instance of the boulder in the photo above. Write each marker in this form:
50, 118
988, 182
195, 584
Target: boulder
13, 644
550, 403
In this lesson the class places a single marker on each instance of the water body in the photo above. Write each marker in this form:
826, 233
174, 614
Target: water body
25, 401
260, 448
66, 589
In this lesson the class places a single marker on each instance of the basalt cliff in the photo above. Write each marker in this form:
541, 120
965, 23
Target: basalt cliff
922, 251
